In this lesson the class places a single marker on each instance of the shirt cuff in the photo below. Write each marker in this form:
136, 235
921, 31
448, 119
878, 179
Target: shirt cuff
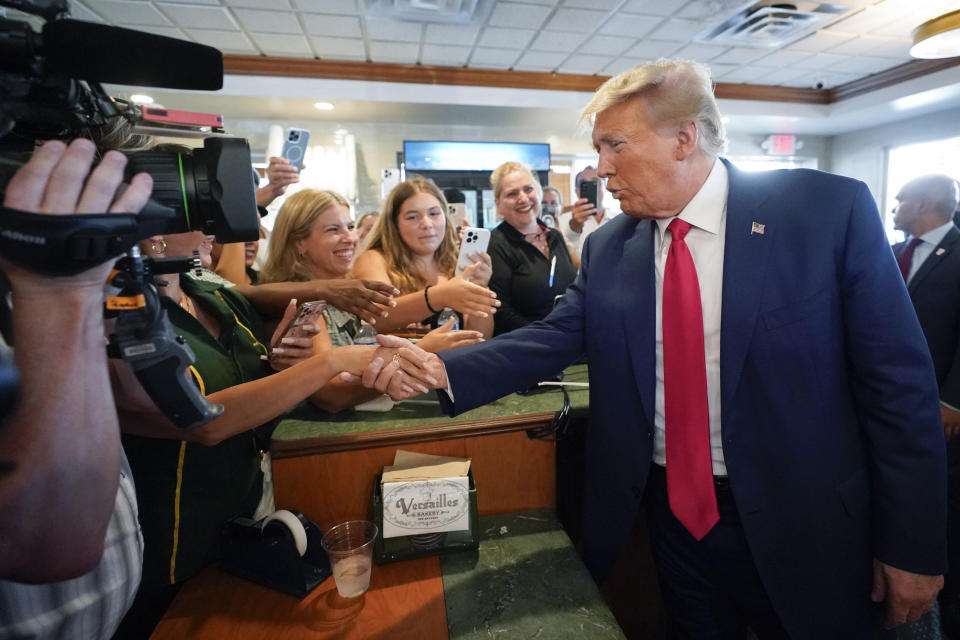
948, 406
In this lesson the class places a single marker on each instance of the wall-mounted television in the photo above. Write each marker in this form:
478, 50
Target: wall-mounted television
442, 155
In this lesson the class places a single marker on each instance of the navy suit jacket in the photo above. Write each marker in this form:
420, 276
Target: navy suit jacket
830, 418
935, 292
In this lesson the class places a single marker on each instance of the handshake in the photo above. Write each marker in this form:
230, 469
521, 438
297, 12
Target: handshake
397, 368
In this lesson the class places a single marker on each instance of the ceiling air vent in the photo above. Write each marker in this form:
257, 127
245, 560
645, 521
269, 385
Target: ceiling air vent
443, 11
771, 24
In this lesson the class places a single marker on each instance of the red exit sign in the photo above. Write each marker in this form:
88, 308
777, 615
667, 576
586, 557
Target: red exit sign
782, 145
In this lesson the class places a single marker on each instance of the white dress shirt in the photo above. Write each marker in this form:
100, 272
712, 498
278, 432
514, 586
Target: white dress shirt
923, 250
707, 212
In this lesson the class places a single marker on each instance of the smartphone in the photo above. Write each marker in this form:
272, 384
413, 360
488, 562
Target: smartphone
458, 213
307, 313
295, 146
588, 190
475, 240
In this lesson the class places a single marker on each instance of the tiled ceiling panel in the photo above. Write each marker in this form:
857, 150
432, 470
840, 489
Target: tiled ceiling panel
565, 36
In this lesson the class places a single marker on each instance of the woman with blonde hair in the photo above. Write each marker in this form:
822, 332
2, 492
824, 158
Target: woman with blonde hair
531, 263
314, 238
413, 246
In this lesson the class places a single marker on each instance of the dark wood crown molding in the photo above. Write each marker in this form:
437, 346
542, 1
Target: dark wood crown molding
461, 76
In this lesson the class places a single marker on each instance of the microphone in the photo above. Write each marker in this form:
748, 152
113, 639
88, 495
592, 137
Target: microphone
103, 53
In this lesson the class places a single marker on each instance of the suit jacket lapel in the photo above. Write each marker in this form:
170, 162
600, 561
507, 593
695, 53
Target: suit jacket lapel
636, 276
939, 253
746, 251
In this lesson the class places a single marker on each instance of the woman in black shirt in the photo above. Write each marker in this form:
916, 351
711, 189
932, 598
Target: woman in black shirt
531, 263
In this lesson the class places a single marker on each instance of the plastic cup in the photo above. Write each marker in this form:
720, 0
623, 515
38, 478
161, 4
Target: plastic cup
350, 547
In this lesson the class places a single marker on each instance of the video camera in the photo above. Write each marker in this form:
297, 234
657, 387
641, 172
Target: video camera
50, 89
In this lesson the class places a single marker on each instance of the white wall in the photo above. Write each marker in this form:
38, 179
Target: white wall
863, 154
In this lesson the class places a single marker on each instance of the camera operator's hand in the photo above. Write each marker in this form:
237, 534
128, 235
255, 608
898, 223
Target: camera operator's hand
55, 181
280, 174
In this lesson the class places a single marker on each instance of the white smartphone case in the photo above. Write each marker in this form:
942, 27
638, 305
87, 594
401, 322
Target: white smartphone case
475, 240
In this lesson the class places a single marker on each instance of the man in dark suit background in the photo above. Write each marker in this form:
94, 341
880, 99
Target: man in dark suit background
930, 263
759, 382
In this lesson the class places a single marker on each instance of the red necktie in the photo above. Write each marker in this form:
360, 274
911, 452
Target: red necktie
690, 489
906, 258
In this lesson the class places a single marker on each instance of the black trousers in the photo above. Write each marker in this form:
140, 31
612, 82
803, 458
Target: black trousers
711, 588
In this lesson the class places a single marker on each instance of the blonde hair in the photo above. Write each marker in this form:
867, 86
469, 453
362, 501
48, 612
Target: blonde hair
675, 92
294, 222
501, 172
385, 238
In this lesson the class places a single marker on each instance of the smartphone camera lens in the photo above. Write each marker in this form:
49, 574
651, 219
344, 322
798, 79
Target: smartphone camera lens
294, 136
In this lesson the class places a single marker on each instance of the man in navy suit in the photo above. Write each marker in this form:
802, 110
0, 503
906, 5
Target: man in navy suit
759, 382
930, 264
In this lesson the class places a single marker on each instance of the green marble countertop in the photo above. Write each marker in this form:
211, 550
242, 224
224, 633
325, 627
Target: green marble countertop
526, 581
307, 421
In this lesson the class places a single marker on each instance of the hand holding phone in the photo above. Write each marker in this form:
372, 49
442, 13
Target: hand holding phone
588, 190
295, 146
475, 240
308, 313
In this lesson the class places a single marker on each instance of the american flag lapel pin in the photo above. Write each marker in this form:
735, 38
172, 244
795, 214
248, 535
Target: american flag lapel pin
756, 227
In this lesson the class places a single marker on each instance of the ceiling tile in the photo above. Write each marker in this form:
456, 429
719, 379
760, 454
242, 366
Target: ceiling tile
128, 12
740, 55
699, 52
546, 3
514, 14
630, 25
338, 26
718, 71
863, 64
651, 7
271, 5
677, 29
784, 76
821, 41
403, 52
215, 3
867, 20
395, 30
585, 64
444, 55
347, 7
576, 20
269, 21
890, 47
495, 57
462, 35
620, 65
79, 11
506, 38
820, 61
169, 32
539, 60
652, 49
606, 5
783, 58
281, 44
344, 48
557, 41
199, 17
226, 41
747, 75
606, 45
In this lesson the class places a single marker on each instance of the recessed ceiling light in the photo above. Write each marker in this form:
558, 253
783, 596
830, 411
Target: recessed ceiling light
323, 106
139, 98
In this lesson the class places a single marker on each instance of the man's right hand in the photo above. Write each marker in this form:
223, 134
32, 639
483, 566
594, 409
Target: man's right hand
951, 421
55, 181
363, 298
582, 209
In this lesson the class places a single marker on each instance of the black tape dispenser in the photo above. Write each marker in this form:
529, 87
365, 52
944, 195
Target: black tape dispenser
281, 551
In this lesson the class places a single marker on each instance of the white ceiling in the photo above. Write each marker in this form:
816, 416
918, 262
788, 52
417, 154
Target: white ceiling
600, 37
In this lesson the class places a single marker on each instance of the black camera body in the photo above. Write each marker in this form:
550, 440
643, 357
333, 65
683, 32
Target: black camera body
50, 89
